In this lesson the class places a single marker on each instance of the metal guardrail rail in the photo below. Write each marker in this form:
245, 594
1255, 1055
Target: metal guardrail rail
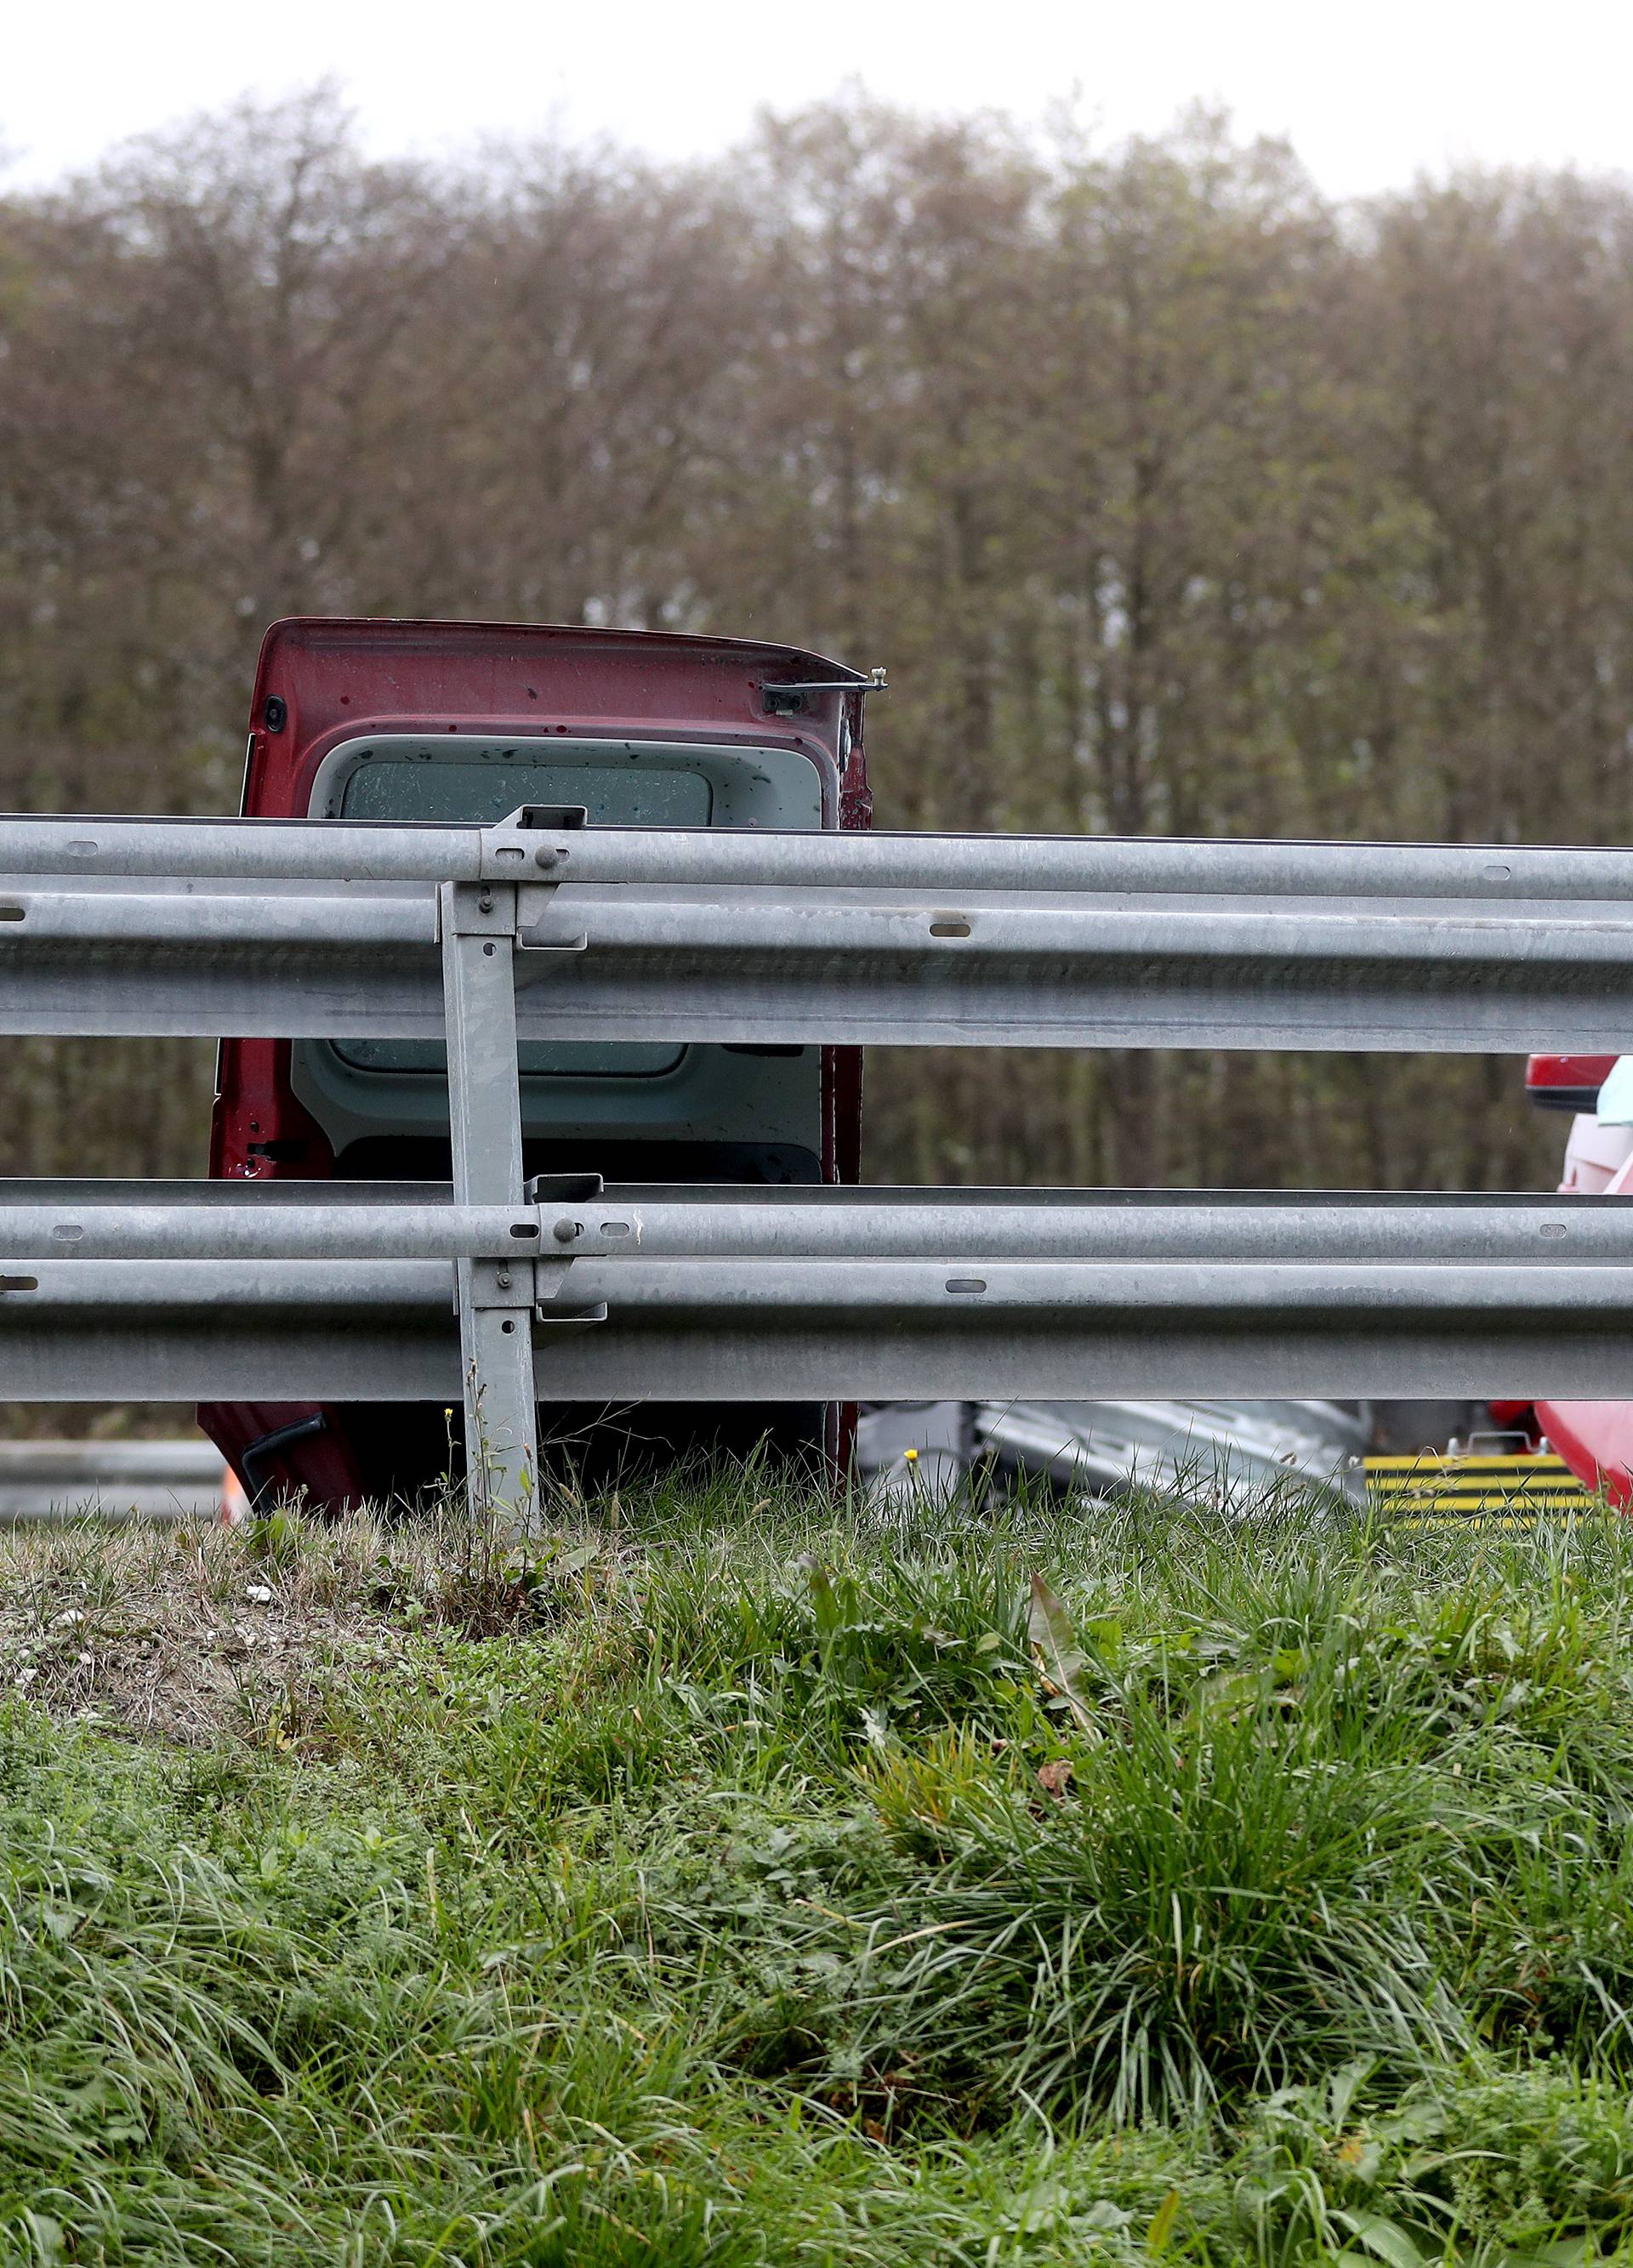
673, 1294
298, 928
53, 1482
547, 929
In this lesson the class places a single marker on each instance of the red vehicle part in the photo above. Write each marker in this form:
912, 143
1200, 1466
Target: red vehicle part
1566, 1082
1595, 1438
466, 692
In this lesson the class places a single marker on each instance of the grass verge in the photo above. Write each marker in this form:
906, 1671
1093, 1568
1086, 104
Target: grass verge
729, 1878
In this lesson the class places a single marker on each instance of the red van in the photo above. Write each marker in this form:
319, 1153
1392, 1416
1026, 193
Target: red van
383, 721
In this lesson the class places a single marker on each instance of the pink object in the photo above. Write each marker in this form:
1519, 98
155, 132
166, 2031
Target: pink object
1596, 1157
1595, 1438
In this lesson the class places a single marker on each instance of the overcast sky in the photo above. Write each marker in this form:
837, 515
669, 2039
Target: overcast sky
1369, 93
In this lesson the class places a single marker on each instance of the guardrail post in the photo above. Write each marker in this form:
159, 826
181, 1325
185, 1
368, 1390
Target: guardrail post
477, 923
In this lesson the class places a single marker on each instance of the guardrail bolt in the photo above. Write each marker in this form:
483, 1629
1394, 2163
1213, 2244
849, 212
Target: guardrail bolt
565, 1231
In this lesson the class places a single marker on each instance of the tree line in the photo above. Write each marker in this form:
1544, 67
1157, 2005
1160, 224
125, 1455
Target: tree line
1175, 498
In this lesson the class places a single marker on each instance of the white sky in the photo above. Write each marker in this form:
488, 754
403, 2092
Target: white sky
1370, 93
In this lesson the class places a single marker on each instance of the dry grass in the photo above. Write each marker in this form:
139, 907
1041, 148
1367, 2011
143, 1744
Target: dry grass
188, 1634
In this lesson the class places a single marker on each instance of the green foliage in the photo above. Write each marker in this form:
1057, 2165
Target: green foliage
788, 1884
1176, 500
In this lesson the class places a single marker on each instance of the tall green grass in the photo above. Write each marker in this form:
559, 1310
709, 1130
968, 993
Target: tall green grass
732, 1877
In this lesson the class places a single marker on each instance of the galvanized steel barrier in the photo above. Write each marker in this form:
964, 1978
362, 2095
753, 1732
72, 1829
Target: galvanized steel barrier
542, 928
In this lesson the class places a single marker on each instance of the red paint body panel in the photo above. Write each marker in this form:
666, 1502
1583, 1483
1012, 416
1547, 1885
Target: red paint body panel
256, 1117
1595, 1438
1567, 1082
339, 678
322, 682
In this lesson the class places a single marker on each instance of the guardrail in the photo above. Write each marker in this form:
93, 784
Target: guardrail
53, 1482
325, 928
545, 927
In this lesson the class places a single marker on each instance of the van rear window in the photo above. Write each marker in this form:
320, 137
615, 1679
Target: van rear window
420, 787
394, 787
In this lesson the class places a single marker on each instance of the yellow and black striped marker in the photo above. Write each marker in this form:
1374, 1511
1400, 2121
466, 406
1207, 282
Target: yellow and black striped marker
1458, 1485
